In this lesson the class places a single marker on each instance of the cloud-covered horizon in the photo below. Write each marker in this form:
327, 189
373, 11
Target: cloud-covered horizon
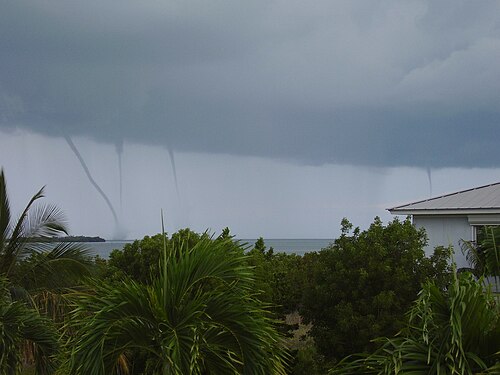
384, 83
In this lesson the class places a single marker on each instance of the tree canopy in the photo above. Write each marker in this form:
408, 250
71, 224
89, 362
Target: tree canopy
198, 315
455, 332
32, 276
360, 287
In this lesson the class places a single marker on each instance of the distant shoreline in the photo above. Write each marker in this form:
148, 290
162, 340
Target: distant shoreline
67, 239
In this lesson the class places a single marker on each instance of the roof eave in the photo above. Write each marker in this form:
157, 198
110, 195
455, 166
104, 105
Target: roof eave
447, 211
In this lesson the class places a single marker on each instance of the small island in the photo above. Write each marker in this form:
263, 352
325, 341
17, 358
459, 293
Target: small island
79, 239
67, 239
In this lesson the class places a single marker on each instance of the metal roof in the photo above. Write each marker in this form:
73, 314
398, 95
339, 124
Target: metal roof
481, 199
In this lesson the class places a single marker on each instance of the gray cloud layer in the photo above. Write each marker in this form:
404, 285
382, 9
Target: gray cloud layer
368, 83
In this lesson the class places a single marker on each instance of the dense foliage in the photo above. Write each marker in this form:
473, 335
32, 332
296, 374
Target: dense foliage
360, 287
199, 315
196, 304
140, 259
33, 276
26, 337
484, 255
280, 277
448, 332
30, 266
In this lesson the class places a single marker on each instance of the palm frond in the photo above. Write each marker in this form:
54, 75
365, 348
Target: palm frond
4, 214
25, 337
50, 265
45, 221
473, 257
199, 314
484, 257
14, 244
491, 249
27, 269
21, 221
448, 333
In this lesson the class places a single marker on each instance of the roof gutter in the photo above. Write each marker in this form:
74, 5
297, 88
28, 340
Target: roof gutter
444, 211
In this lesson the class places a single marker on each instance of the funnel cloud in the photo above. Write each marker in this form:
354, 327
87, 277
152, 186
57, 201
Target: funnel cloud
70, 143
277, 117
119, 153
429, 178
174, 169
386, 84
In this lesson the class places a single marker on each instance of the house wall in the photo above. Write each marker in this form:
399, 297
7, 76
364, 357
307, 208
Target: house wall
445, 231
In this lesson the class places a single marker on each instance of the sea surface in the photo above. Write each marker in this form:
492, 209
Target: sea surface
297, 246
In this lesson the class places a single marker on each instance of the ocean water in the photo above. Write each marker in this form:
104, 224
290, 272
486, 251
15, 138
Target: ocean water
297, 246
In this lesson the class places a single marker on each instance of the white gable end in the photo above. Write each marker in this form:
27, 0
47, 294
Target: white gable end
451, 218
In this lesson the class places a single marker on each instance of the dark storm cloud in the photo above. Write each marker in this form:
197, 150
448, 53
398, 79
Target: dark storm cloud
354, 82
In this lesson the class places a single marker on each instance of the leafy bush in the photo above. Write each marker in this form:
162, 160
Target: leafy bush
198, 315
360, 287
448, 332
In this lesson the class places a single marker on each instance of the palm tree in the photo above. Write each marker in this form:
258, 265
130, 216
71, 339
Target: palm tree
200, 315
453, 332
35, 274
23, 326
484, 257
28, 260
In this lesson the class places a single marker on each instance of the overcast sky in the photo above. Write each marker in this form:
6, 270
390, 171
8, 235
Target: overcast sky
282, 117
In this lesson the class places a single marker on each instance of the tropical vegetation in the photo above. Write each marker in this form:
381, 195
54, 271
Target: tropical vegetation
372, 302
484, 255
31, 266
33, 277
26, 337
199, 315
360, 287
456, 331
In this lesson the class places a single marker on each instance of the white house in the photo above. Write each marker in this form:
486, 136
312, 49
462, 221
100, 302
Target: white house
450, 218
